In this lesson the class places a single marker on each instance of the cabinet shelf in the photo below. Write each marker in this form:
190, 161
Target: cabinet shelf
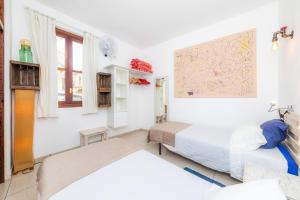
25, 87
122, 84
104, 89
139, 72
24, 75
104, 106
118, 113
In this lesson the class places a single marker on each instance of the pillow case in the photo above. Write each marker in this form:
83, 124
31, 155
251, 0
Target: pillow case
274, 132
244, 139
248, 137
256, 190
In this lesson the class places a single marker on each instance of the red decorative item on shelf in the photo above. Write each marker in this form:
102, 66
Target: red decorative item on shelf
144, 82
139, 81
140, 65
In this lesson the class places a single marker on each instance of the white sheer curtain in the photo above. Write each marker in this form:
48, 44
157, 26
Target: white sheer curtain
44, 44
91, 54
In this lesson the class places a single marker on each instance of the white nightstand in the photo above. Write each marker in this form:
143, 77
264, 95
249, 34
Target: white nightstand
289, 183
92, 135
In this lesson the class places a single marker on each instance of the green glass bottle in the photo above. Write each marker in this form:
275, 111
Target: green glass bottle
22, 53
25, 53
28, 54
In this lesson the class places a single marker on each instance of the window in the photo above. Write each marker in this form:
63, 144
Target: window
69, 53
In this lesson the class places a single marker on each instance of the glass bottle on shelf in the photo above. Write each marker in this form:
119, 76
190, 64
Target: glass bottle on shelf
22, 53
28, 54
25, 53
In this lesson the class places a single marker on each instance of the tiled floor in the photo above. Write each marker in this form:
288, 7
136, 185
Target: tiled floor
24, 186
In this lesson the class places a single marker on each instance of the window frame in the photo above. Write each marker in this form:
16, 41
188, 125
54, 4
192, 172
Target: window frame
69, 39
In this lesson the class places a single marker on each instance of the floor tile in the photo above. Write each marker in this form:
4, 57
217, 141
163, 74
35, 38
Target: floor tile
27, 194
4, 189
139, 137
21, 182
225, 178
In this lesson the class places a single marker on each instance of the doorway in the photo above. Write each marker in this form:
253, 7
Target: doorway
161, 99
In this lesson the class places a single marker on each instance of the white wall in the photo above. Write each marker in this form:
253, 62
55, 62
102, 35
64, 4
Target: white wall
289, 51
225, 111
57, 134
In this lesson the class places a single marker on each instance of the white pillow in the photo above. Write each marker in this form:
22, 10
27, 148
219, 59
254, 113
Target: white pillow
249, 137
256, 190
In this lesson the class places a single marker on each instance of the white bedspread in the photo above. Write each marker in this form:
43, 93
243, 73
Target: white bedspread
269, 158
206, 145
139, 176
210, 146
244, 140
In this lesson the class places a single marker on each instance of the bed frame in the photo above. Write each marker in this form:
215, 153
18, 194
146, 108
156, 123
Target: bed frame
293, 137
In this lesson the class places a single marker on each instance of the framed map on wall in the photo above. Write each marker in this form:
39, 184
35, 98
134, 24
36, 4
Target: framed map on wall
222, 68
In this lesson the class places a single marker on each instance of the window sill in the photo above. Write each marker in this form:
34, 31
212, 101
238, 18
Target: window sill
62, 104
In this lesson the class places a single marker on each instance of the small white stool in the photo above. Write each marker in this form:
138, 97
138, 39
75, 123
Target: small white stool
93, 135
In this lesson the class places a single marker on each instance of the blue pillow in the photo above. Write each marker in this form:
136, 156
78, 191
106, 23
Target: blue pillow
274, 132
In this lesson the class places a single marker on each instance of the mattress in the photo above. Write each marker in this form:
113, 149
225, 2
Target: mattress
209, 146
137, 176
205, 145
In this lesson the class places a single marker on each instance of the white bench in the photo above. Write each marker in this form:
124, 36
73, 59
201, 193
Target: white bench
92, 135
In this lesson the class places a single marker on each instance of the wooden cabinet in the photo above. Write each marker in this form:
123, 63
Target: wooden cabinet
24, 80
118, 113
24, 75
24, 103
104, 89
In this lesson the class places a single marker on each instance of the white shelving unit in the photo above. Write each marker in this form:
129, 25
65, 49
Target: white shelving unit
118, 113
139, 73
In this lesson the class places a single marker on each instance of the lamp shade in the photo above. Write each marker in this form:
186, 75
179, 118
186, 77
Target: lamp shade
275, 45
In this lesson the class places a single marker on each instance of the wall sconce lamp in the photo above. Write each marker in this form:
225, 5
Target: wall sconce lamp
281, 111
283, 34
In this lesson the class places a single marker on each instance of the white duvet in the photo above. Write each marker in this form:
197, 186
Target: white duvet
138, 176
225, 149
205, 145
243, 140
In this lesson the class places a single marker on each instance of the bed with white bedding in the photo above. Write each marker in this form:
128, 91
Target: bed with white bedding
114, 170
135, 177
211, 146
130, 173
205, 145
